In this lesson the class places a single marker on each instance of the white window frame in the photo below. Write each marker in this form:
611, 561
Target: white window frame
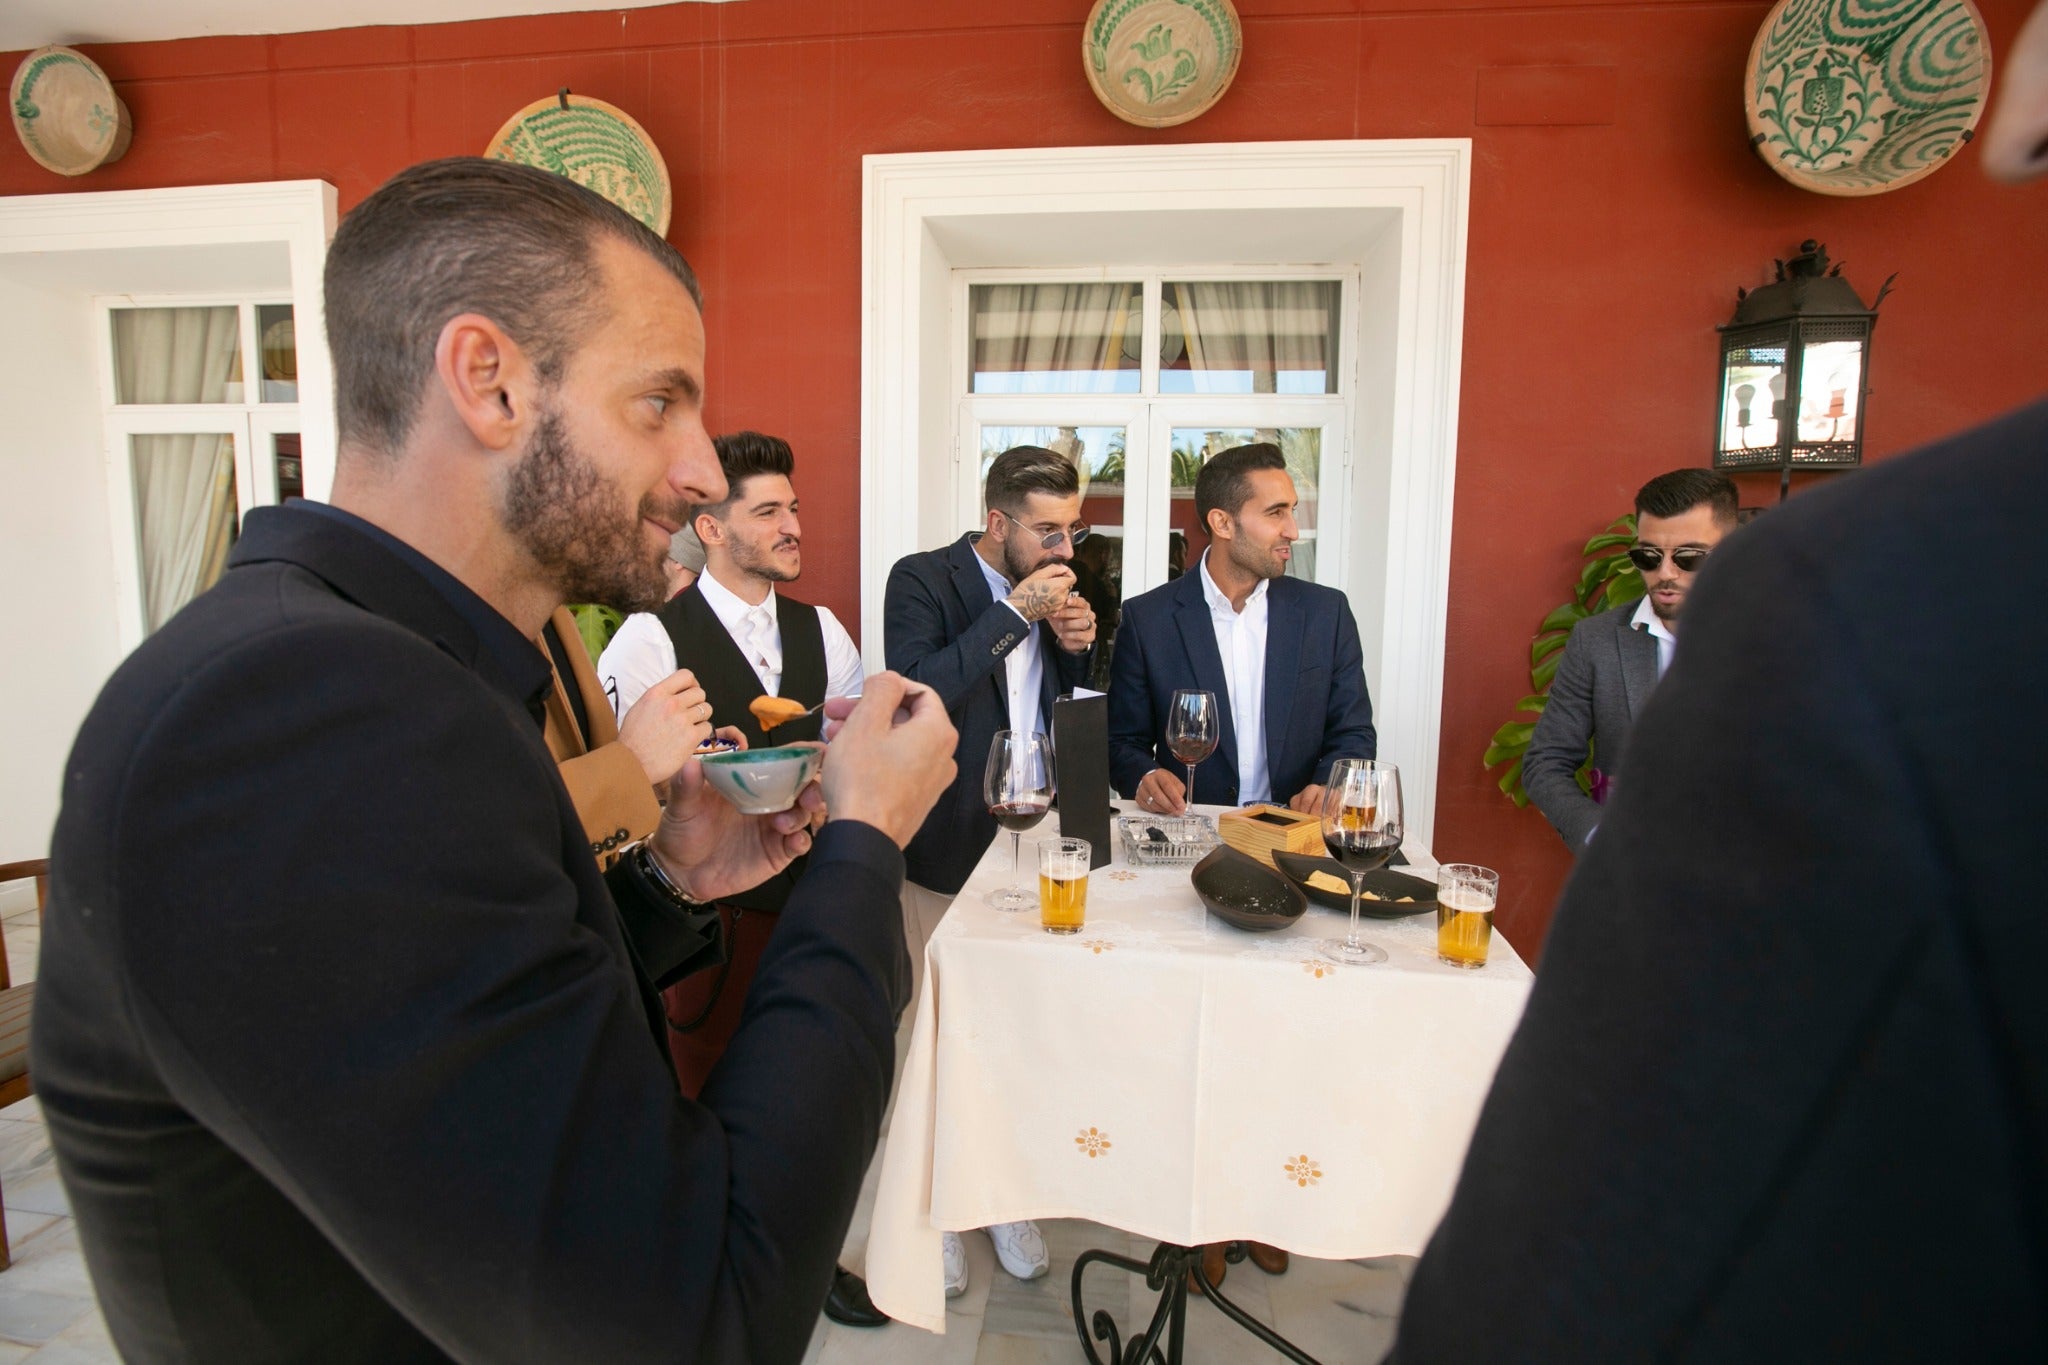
1396, 210
248, 424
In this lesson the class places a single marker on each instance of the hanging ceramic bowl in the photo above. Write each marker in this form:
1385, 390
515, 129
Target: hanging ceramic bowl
66, 112
1853, 97
597, 145
1156, 63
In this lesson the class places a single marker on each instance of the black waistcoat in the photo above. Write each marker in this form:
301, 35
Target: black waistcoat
705, 648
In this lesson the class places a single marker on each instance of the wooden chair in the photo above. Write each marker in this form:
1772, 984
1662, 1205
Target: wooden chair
16, 1002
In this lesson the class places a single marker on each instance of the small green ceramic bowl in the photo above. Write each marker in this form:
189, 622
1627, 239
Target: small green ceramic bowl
763, 781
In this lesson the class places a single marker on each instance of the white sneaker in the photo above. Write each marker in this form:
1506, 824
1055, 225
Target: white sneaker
1020, 1248
956, 1266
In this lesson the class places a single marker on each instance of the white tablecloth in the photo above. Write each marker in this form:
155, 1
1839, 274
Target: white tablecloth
1167, 1074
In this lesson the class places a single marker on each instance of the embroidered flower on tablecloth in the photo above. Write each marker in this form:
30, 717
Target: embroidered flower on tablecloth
1318, 969
1093, 1141
1123, 874
1097, 946
1304, 1172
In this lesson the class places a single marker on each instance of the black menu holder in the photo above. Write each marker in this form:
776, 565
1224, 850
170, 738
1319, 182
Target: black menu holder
1080, 746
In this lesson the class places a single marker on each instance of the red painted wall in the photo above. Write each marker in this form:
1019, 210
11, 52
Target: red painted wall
1603, 250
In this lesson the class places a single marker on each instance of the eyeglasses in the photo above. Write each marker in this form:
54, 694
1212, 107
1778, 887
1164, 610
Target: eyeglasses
1048, 540
1685, 559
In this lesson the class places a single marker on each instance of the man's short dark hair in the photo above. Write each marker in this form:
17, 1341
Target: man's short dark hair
741, 456
1676, 493
463, 235
1021, 471
1225, 481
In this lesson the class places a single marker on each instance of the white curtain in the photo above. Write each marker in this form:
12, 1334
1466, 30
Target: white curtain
184, 484
1264, 327
1066, 335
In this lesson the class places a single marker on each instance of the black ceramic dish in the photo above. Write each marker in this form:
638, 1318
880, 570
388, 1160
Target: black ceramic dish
1386, 883
1241, 890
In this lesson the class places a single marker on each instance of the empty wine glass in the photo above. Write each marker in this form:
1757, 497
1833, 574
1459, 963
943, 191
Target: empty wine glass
1017, 785
1362, 827
1191, 730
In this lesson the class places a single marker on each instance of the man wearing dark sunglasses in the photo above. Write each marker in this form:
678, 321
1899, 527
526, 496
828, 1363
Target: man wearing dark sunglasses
1613, 659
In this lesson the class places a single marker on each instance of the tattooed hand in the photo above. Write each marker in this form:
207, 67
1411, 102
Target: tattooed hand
1044, 592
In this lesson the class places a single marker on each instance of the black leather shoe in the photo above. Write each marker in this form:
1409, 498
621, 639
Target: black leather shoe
848, 1301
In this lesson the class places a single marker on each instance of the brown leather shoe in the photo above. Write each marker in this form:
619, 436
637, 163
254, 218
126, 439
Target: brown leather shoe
1213, 1265
1272, 1260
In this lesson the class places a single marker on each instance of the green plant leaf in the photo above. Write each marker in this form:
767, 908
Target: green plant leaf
1536, 702
1609, 541
1590, 578
1564, 618
1511, 784
1515, 734
1541, 674
1543, 647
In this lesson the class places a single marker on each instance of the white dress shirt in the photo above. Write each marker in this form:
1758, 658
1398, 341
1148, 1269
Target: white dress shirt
1241, 640
1646, 618
1024, 666
642, 654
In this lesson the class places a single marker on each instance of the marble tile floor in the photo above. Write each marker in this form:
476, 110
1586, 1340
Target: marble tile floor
1340, 1312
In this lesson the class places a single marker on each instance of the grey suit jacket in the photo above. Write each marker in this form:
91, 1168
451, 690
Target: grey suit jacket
1603, 680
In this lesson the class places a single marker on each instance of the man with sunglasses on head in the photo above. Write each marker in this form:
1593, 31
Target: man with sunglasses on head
991, 623
1614, 659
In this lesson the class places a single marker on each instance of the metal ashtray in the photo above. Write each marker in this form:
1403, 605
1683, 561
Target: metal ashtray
1166, 840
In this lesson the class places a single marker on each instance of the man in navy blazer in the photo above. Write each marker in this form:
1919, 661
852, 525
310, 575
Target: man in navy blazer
1292, 696
992, 623
348, 1050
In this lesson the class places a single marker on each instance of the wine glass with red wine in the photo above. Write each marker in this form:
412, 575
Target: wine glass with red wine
1191, 730
1362, 829
1018, 788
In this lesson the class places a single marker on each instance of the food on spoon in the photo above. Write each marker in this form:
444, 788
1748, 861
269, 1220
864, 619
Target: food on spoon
774, 711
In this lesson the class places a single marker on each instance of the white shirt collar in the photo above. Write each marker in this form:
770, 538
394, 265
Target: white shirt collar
997, 584
728, 606
1646, 618
1219, 601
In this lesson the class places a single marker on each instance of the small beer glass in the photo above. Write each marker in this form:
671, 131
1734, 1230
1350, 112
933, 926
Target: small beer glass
1063, 884
1465, 897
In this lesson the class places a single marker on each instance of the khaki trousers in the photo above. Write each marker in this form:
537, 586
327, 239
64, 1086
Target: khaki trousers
922, 910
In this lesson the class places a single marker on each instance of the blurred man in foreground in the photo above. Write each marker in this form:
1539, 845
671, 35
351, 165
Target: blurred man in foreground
1782, 1088
344, 1052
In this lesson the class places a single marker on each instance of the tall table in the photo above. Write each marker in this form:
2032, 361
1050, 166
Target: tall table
1164, 1073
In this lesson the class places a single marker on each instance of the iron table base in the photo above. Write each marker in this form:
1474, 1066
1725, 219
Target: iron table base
1166, 1274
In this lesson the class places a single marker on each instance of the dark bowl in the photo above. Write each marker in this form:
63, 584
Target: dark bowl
1386, 883
1243, 891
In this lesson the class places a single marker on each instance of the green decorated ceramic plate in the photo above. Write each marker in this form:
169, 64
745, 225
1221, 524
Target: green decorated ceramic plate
1156, 63
1852, 97
66, 112
597, 145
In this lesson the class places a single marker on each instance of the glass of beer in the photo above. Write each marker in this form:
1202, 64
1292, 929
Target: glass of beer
1465, 897
1062, 884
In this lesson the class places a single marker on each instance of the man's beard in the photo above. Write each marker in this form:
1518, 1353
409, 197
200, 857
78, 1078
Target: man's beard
1016, 567
1663, 613
1256, 562
559, 507
762, 564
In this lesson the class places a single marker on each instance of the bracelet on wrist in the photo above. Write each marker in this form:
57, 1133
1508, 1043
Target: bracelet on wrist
657, 876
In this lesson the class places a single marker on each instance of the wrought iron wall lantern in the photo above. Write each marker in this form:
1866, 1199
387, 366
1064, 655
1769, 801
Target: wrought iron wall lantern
1795, 366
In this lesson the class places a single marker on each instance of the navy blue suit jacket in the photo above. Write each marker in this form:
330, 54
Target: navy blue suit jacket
942, 627
1317, 707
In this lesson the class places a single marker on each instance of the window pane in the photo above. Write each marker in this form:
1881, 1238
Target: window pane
1055, 338
278, 341
1251, 336
1301, 447
291, 475
185, 513
1099, 558
177, 355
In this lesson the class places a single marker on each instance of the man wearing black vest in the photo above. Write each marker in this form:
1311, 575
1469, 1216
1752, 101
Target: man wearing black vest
742, 639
